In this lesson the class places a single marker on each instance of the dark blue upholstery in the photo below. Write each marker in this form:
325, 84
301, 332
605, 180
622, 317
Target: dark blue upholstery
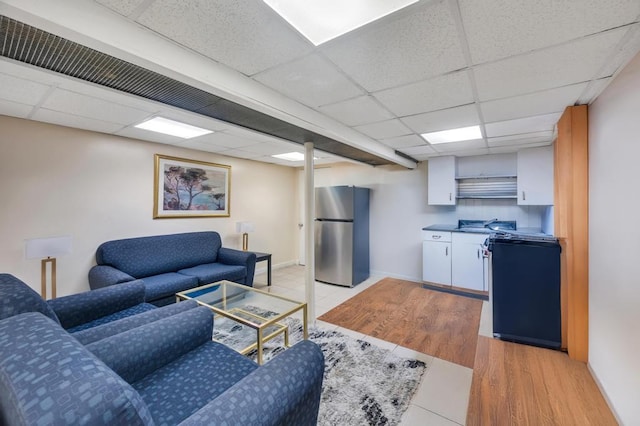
163, 262
91, 315
49, 378
16, 298
165, 285
212, 272
177, 373
94, 334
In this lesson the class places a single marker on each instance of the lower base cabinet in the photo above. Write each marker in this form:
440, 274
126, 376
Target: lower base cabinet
467, 262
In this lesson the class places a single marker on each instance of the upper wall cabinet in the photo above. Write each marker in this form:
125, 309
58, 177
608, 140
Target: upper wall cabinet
441, 183
535, 176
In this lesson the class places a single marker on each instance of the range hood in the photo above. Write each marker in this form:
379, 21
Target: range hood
487, 187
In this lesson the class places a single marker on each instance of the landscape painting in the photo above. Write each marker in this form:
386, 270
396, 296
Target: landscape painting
189, 188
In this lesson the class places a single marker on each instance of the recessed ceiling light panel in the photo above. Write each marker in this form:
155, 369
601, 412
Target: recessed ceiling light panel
453, 135
291, 156
323, 20
173, 128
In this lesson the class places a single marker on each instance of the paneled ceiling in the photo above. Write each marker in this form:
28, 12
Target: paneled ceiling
510, 66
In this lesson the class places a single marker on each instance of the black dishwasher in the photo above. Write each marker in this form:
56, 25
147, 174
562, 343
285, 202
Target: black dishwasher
526, 289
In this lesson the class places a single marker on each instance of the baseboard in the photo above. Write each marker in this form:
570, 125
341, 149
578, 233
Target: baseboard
383, 274
263, 269
604, 394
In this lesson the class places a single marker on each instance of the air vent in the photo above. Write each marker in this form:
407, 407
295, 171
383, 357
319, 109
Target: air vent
487, 187
31, 45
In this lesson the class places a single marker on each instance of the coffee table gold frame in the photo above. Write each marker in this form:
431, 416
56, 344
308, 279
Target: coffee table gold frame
260, 324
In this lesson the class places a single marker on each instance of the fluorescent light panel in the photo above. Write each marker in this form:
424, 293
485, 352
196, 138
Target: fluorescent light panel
291, 156
453, 135
323, 20
173, 128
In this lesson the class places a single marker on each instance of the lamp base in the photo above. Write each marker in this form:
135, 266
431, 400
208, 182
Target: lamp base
43, 277
245, 241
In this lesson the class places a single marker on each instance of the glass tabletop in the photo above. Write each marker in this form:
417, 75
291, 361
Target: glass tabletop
245, 304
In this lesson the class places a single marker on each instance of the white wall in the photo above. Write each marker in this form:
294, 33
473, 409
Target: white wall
95, 187
399, 210
614, 242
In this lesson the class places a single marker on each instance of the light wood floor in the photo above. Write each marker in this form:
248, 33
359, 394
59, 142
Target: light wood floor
512, 384
517, 384
402, 312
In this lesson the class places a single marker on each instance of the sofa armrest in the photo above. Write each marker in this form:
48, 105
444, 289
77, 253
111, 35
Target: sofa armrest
104, 275
139, 352
284, 391
237, 257
84, 307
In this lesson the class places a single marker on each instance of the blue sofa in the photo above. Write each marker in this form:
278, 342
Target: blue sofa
88, 316
168, 264
165, 373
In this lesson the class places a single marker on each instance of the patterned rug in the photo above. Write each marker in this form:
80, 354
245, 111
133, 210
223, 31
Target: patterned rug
363, 384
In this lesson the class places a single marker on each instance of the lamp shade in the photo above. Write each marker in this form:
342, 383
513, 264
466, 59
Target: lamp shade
38, 248
244, 227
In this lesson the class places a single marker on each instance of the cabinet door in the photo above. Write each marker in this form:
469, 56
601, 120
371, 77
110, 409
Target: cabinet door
467, 266
441, 182
535, 176
436, 262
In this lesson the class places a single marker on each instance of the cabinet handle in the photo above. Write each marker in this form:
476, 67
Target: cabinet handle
446, 251
436, 237
478, 253
450, 196
524, 197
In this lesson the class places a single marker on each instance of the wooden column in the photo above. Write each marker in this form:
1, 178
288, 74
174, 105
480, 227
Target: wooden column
571, 217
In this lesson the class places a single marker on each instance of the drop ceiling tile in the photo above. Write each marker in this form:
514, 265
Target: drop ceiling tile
445, 119
405, 141
202, 146
147, 135
460, 146
123, 7
22, 91
423, 157
472, 152
515, 148
558, 66
593, 90
193, 119
267, 148
29, 72
497, 29
14, 109
629, 47
539, 123
95, 108
311, 80
414, 44
545, 102
357, 111
437, 93
418, 150
225, 139
384, 129
240, 153
244, 34
69, 120
521, 138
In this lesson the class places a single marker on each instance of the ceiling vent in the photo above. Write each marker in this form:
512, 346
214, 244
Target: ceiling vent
33, 46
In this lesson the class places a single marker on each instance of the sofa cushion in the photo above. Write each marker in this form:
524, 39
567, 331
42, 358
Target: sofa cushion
16, 298
213, 272
201, 375
164, 285
146, 256
134, 310
48, 377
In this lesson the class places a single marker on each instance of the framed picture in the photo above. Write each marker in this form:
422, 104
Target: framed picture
190, 188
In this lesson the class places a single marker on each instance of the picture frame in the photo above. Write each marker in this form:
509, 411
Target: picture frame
186, 188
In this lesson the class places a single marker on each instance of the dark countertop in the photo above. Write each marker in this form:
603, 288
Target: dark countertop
454, 228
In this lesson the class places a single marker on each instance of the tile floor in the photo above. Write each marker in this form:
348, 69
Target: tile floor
443, 396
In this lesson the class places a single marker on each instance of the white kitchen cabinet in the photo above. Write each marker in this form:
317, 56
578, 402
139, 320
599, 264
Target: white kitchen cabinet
436, 257
467, 261
535, 176
441, 182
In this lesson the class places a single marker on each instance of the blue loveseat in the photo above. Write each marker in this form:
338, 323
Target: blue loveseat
168, 264
88, 316
165, 373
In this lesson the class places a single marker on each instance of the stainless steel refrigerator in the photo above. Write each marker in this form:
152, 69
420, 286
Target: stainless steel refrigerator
342, 235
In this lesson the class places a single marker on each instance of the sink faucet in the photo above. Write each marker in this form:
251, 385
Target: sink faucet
489, 222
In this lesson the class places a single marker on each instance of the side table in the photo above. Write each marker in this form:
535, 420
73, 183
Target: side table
265, 256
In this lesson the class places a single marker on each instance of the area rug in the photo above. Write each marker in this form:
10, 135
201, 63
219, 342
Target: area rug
435, 323
363, 384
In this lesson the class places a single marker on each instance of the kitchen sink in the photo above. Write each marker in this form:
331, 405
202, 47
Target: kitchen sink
482, 226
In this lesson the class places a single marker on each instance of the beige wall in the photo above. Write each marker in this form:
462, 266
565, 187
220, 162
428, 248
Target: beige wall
614, 242
95, 187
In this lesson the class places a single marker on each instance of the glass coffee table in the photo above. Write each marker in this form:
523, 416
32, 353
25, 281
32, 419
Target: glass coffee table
260, 312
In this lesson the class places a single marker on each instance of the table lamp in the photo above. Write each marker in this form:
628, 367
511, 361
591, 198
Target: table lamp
46, 249
244, 228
